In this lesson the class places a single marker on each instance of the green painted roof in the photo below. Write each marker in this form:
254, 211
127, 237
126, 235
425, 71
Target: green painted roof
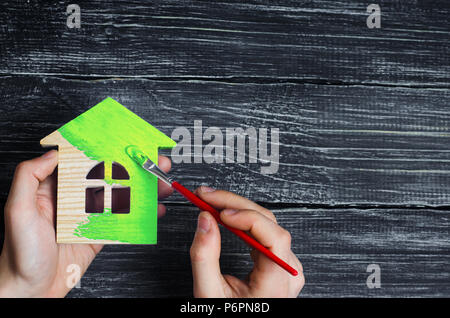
111, 118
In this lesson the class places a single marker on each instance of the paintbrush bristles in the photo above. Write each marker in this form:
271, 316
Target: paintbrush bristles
153, 168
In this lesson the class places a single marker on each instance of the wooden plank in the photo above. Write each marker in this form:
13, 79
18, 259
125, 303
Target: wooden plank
339, 145
291, 40
335, 246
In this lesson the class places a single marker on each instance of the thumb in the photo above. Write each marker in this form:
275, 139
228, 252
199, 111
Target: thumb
27, 177
205, 254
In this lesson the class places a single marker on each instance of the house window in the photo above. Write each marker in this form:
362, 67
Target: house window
95, 199
98, 172
119, 172
120, 200
96, 193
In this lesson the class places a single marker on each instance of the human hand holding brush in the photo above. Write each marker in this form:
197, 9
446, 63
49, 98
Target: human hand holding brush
266, 279
271, 243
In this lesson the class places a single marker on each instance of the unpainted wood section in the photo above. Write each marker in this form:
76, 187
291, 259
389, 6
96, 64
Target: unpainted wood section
73, 167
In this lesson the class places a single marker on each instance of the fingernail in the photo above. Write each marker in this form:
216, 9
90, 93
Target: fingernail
229, 211
48, 154
207, 189
203, 224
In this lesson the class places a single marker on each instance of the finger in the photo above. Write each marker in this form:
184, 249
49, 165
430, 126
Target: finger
97, 248
238, 286
221, 199
262, 228
254, 254
164, 190
164, 163
205, 254
298, 263
267, 277
299, 281
46, 198
161, 210
27, 177
47, 189
48, 186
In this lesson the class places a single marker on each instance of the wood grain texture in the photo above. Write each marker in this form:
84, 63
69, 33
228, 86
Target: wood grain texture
339, 145
73, 167
335, 246
325, 41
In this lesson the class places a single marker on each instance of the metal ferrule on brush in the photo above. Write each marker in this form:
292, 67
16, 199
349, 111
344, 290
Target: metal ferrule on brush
151, 167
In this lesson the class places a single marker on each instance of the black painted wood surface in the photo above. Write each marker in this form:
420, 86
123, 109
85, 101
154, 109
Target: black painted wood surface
335, 246
362, 114
296, 40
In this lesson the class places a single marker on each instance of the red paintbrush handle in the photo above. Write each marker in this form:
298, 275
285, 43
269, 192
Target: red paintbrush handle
202, 205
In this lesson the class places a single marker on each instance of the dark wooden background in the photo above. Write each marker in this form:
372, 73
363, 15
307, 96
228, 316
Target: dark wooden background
363, 114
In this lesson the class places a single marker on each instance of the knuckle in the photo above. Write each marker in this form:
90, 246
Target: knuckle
199, 189
7, 209
23, 166
226, 196
196, 254
229, 197
300, 267
253, 218
285, 237
301, 282
273, 218
253, 215
270, 215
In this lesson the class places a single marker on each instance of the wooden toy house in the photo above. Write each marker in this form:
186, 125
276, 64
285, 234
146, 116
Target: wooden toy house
103, 196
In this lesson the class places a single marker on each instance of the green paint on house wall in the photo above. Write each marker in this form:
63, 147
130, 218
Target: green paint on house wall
102, 133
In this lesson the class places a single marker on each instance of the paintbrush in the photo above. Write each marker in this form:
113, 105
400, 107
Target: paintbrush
140, 158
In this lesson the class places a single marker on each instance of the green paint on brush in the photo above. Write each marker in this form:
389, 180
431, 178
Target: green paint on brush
103, 133
136, 154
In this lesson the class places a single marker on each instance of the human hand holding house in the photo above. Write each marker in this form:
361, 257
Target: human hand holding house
32, 264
